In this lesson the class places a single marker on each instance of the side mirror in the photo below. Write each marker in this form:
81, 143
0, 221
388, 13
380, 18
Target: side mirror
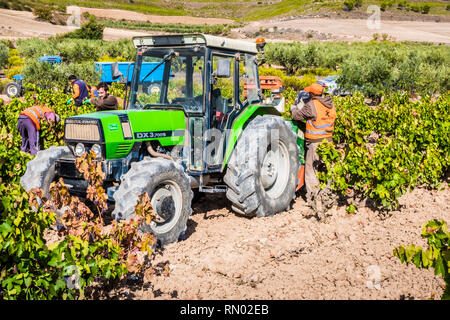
115, 72
223, 68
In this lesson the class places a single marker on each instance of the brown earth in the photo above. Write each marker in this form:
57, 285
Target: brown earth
22, 24
294, 256
118, 14
348, 29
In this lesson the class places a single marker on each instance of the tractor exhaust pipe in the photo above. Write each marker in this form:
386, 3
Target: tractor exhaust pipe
155, 154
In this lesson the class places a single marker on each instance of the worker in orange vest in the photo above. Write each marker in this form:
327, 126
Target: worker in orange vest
29, 125
320, 114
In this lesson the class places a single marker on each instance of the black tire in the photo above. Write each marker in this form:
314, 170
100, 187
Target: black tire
13, 89
248, 189
41, 170
151, 175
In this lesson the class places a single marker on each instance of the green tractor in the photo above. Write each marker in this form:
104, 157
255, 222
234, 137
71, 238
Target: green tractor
204, 128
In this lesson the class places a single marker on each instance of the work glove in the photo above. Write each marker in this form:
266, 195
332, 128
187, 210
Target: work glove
293, 107
86, 101
69, 101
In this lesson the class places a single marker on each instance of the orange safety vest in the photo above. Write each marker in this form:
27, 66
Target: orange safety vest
35, 113
323, 127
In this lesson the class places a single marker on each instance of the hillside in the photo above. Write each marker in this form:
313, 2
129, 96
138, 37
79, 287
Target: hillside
243, 11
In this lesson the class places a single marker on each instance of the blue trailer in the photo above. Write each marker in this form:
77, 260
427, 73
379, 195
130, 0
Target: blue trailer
150, 82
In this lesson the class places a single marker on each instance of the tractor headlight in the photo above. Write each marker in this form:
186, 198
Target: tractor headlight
79, 149
98, 150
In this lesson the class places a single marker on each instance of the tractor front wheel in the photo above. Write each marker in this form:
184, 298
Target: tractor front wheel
41, 170
168, 187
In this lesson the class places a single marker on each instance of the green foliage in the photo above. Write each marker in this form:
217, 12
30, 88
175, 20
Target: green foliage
46, 76
349, 5
4, 54
78, 56
293, 82
76, 50
371, 67
425, 8
43, 13
380, 153
15, 64
117, 89
91, 30
437, 255
31, 267
216, 29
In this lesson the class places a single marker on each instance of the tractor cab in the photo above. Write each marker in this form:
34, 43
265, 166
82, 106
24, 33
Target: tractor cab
212, 79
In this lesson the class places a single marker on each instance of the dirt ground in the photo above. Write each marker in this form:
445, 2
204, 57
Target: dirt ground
294, 256
349, 29
118, 14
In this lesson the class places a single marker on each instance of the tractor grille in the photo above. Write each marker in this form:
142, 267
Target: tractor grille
82, 130
123, 149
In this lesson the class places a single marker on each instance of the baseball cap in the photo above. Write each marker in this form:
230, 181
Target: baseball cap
315, 88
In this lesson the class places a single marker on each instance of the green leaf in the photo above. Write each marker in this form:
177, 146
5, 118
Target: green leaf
418, 258
439, 267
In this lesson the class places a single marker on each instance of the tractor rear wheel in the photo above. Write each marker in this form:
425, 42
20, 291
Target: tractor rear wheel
262, 171
168, 187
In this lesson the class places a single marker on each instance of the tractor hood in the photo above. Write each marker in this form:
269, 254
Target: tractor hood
119, 130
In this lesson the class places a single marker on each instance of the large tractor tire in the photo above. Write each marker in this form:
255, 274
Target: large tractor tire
262, 171
41, 170
168, 187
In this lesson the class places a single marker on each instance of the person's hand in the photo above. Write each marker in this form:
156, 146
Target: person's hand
293, 107
86, 101
69, 101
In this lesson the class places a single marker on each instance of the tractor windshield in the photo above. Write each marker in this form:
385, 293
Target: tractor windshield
169, 77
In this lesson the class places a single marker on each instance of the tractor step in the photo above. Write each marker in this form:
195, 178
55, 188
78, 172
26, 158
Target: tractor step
215, 189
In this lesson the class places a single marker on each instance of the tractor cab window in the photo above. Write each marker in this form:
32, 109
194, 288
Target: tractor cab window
222, 90
170, 77
248, 82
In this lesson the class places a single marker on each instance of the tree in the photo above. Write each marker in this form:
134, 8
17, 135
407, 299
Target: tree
92, 30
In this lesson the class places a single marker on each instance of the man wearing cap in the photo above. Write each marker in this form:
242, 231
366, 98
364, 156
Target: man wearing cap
80, 91
29, 125
319, 113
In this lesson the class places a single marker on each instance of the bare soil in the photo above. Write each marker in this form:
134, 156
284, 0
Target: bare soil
347, 29
22, 24
294, 256
118, 14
